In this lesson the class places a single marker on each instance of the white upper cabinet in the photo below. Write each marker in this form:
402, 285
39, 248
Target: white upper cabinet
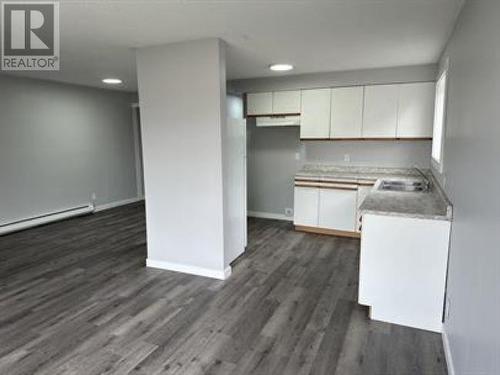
381, 111
346, 112
315, 114
286, 102
416, 110
273, 103
260, 103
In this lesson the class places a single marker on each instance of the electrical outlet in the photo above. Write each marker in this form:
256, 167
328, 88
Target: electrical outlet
93, 197
347, 158
288, 212
297, 156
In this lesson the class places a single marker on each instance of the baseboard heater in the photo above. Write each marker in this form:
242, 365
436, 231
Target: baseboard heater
45, 219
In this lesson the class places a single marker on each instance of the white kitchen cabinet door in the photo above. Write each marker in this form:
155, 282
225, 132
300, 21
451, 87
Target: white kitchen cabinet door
346, 112
363, 191
306, 202
315, 114
416, 110
380, 111
285, 102
260, 103
337, 209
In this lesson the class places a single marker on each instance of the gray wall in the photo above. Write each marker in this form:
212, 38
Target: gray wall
472, 174
272, 151
271, 166
59, 144
371, 153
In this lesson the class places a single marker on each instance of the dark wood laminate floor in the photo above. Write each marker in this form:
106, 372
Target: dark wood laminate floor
75, 298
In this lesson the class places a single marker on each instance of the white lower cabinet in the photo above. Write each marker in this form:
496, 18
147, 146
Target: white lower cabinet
405, 258
306, 205
337, 209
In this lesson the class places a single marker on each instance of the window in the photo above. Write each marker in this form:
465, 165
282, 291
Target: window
439, 122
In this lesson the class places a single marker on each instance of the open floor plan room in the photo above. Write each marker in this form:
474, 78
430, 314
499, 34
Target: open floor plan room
76, 300
258, 187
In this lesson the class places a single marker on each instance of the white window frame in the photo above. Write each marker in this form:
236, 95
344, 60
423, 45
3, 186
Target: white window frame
440, 116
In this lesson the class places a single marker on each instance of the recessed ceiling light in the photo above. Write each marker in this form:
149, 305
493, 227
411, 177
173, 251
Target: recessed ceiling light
112, 81
281, 67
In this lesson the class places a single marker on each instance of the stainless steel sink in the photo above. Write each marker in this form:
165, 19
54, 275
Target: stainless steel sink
401, 185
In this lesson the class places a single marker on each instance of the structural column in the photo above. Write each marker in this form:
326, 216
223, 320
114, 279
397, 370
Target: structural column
182, 95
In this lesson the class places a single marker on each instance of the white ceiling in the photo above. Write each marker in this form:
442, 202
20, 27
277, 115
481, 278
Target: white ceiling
98, 37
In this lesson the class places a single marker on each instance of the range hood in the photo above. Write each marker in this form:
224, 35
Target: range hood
278, 121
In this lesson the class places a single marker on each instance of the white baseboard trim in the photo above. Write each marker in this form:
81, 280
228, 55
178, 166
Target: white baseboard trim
447, 353
192, 270
111, 205
269, 215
